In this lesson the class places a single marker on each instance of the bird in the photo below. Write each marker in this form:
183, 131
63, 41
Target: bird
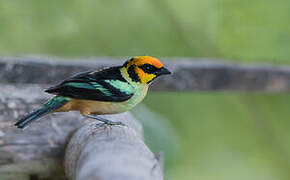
111, 90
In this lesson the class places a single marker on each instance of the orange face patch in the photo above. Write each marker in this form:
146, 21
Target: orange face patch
140, 60
144, 77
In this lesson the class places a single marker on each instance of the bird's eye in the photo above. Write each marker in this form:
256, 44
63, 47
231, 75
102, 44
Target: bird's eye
148, 68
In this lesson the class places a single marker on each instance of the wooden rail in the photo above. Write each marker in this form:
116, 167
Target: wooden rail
112, 153
95, 152
188, 74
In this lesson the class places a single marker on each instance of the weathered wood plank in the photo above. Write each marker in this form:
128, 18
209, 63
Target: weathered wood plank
112, 153
188, 74
38, 151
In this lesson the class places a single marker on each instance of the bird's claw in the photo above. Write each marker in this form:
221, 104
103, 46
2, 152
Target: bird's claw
105, 121
110, 123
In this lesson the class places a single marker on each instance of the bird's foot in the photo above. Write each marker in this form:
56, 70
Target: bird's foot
111, 123
106, 121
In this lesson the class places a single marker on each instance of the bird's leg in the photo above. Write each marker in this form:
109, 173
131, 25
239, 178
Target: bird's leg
105, 121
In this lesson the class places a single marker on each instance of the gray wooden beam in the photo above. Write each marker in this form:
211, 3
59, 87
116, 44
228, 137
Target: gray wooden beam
188, 74
38, 151
111, 153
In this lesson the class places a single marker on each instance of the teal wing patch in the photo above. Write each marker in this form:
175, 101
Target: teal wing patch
100, 86
122, 86
89, 85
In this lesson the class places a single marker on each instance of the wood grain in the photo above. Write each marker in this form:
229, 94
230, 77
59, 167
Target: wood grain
111, 153
38, 151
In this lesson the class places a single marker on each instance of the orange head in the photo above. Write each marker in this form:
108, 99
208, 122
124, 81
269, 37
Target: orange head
144, 69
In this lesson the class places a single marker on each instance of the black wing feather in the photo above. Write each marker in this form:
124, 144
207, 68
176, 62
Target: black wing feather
111, 93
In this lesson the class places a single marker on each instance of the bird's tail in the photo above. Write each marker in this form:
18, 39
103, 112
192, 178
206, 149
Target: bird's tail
52, 105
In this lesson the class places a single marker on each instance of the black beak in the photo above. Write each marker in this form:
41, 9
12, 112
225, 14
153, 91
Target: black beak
162, 71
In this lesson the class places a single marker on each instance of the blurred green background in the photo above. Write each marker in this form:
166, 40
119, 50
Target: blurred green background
211, 135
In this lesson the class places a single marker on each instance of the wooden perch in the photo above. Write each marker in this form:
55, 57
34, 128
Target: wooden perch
38, 151
188, 74
111, 153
